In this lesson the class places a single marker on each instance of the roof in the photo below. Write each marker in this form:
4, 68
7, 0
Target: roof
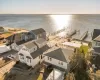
71, 44
60, 54
22, 42
39, 51
30, 44
97, 38
40, 40
95, 33
96, 50
38, 31
8, 53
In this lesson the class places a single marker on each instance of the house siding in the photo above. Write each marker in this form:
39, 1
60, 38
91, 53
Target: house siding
95, 44
33, 63
55, 62
16, 47
25, 53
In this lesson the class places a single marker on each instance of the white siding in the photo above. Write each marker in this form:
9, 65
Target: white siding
16, 47
35, 61
27, 53
56, 62
33, 49
95, 44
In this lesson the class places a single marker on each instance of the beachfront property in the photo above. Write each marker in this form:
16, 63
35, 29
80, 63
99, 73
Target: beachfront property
95, 38
38, 33
17, 45
31, 52
96, 41
2, 29
58, 58
22, 38
15, 39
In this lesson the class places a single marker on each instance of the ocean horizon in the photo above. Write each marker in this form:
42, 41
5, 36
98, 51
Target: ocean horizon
33, 21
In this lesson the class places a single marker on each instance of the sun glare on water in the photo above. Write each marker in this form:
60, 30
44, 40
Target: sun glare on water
61, 21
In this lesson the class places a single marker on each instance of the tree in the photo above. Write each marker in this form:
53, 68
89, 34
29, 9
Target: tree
78, 66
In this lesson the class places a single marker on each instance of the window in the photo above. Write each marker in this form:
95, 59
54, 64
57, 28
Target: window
28, 59
21, 56
24, 49
98, 43
41, 56
60, 62
49, 58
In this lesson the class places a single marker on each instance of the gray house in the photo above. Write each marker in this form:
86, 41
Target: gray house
38, 33
2, 29
58, 58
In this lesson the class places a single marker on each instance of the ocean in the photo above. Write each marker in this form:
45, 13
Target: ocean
81, 22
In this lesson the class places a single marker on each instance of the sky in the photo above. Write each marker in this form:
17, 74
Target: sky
49, 6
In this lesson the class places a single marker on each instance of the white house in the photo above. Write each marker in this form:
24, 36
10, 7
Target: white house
58, 58
17, 45
31, 53
96, 42
96, 38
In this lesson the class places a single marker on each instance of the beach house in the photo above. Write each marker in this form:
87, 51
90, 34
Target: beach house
58, 58
38, 33
1, 29
95, 38
31, 52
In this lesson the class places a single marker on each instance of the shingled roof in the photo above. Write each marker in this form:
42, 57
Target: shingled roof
97, 38
5, 54
96, 50
60, 54
39, 51
95, 33
38, 31
30, 44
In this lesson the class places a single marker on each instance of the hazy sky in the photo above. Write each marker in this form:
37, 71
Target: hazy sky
49, 6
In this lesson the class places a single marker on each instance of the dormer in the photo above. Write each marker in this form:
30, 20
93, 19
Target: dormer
30, 46
40, 42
